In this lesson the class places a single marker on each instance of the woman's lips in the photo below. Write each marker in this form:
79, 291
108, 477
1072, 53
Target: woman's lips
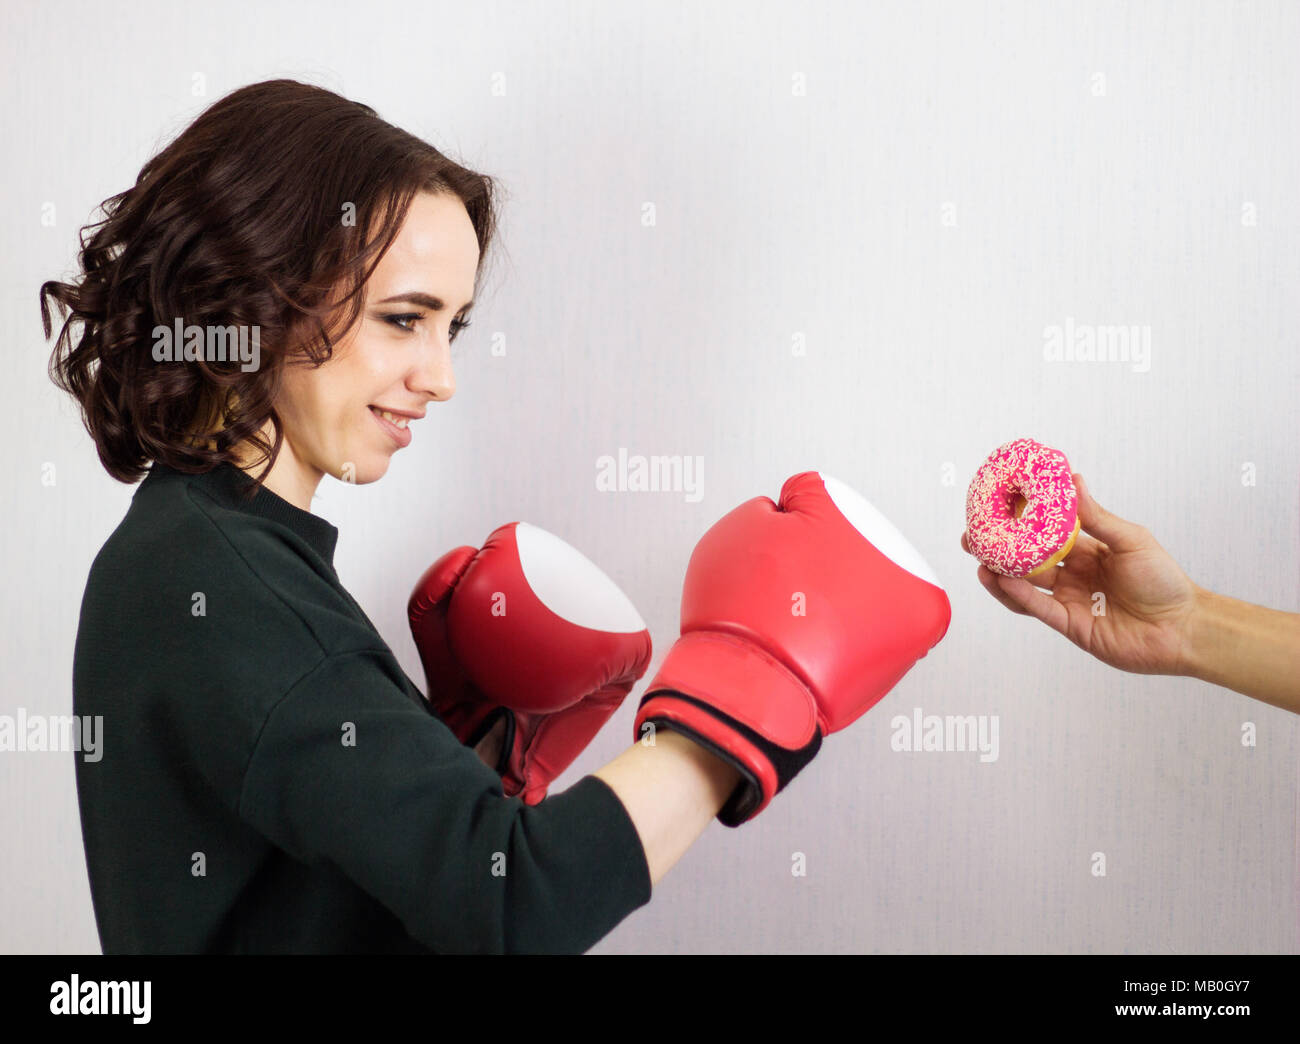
393, 425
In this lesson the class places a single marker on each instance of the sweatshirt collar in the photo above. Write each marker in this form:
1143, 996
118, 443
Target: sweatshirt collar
229, 486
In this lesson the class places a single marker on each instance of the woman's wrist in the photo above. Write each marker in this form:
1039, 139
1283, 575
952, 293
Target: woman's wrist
722, 775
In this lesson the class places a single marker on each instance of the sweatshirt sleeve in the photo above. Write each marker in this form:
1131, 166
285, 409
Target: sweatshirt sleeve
348, 771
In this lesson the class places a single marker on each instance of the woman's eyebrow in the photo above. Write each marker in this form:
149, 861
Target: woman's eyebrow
426, 300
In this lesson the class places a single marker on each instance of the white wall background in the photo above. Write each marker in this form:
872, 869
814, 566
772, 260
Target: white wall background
1098, 159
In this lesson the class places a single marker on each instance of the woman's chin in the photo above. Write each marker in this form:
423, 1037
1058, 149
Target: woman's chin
359, 473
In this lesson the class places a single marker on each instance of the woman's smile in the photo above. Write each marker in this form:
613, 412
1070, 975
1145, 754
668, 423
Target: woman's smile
394, 423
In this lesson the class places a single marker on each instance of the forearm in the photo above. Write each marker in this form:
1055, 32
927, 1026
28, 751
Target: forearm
671, 791
1248, 648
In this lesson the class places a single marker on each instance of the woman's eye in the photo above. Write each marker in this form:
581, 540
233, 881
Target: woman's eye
398, 320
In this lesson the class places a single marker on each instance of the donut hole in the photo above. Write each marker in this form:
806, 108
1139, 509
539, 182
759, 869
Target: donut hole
1018, 504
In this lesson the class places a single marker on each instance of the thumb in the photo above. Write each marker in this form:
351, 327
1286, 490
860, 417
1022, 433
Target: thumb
1119, 534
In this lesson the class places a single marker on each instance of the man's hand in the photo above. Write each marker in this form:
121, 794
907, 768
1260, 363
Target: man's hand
1144, 623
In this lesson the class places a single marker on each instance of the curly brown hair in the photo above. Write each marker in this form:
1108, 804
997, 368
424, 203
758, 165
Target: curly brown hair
270, 211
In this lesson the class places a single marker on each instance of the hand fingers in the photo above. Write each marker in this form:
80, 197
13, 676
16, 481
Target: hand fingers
1023, 599
1028, 600
990, 581
1046, 579
1120, 534
1085, 546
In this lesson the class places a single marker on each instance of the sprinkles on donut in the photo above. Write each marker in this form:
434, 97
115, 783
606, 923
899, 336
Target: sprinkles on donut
1022, 509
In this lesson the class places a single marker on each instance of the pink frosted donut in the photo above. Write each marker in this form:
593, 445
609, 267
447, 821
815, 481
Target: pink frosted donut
1022, 509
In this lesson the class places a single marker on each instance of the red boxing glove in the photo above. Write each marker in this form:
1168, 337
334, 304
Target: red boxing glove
797, 618
528, 629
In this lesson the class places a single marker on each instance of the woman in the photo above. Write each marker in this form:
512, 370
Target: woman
274, 301
272, 780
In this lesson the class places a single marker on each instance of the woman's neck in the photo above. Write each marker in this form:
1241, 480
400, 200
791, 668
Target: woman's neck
290, 478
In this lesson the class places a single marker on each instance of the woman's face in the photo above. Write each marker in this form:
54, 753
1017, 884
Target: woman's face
394, 361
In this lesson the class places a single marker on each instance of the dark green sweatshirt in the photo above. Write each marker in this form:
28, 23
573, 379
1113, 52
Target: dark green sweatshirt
270, 779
